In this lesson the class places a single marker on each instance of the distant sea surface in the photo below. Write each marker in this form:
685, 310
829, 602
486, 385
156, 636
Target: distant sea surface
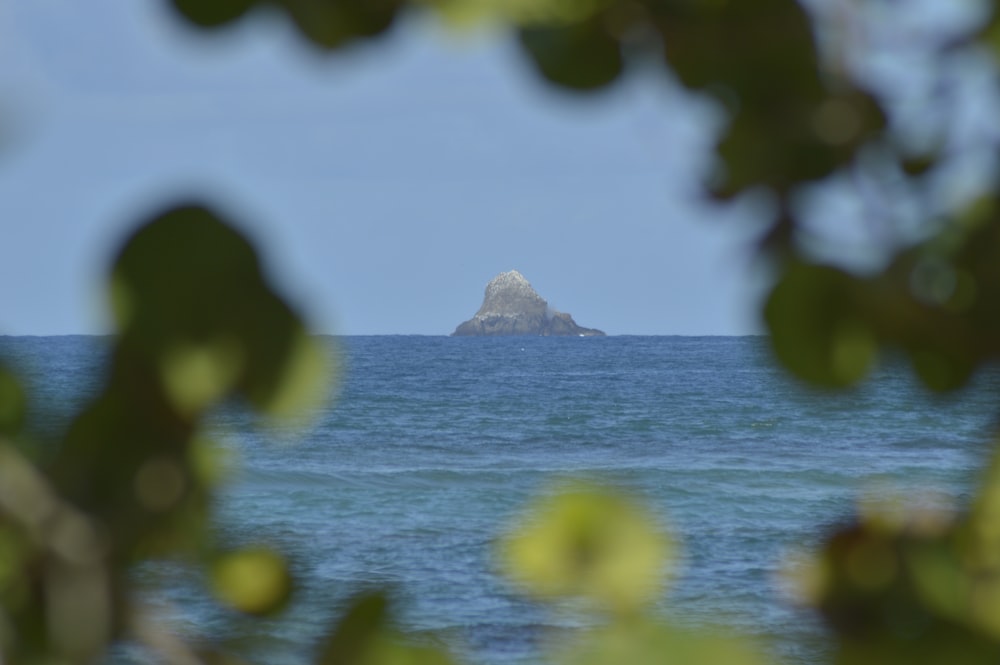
434, 444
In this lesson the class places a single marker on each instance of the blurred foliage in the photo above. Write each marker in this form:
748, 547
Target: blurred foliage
364, 637
648, 642
593, 546
255, 581
198, 324
939, 301
12, 403
589, 544
918, 586
796, 117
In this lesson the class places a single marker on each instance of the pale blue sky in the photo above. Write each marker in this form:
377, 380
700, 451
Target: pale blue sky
384, 185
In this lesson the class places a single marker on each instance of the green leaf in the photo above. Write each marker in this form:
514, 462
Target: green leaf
645, 642
12, 403
817, 328
519, 12
762, 50
334, 23
255, 581
357, 630
589, 543
212, 13
918, 165
942, 369
760, 59
191, 297
583, 56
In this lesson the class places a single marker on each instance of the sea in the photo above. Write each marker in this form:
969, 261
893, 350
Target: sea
431, 447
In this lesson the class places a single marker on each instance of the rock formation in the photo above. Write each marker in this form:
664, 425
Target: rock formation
512, 307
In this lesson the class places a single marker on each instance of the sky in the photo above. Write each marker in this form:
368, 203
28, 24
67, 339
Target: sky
384, 185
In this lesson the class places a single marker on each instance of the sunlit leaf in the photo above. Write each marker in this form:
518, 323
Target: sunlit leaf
211, 462
255, 581
389, 650
588, 543
300, 382
519, 12
195, 376
644, 642
940, 580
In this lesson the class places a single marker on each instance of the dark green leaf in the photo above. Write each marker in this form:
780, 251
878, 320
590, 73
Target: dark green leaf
334, 23
356, 631
212, 13
190, 294
760, 59
581, 56
12, 404
817, 329
918, 165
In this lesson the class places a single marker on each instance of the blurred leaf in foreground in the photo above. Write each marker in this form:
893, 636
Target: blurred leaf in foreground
912, 585
364, 636
13, 403
198, 324
255, 581
645, 642
328, 24
817, 331
588, 543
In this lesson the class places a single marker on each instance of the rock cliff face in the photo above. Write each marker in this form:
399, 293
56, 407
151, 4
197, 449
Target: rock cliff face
512, 307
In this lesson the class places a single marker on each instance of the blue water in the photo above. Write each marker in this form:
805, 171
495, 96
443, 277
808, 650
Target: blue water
433, 445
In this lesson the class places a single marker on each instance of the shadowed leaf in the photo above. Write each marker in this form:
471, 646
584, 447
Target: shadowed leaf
212, 13
760, 59
12, 403
581, 56
198, 324
334, 23
644, 642
189, 292
356, 631
364, 637
817, 329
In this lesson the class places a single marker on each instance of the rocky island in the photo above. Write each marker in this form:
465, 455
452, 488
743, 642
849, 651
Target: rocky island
512, 307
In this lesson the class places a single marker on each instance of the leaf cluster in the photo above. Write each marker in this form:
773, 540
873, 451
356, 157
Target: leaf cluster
132, 479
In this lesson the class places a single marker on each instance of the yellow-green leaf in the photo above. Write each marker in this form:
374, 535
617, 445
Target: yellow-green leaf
588, 543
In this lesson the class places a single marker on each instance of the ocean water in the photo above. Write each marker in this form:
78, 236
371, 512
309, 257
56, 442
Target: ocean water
434, 444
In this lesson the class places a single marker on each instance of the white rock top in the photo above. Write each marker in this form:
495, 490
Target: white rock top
510, 292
